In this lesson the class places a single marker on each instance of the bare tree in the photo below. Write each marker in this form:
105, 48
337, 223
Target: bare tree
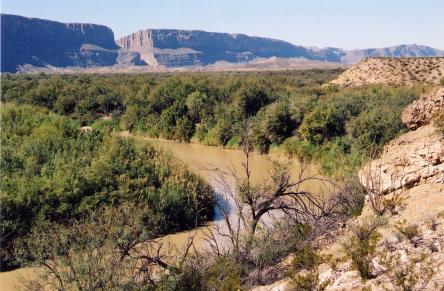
245, 206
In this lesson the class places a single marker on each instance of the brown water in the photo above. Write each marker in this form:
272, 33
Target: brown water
199, 158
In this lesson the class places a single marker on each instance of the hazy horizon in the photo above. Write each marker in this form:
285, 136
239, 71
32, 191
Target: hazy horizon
342, 23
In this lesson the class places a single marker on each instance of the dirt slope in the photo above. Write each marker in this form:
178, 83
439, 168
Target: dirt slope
393, 71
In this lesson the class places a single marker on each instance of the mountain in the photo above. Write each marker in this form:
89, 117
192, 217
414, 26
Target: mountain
40, 43
30, 43
413, 50
177, 48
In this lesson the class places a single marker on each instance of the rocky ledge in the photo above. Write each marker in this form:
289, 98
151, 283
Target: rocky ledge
415, 157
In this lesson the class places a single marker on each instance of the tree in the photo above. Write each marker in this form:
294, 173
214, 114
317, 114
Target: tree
244, 207
249, 99
322, 124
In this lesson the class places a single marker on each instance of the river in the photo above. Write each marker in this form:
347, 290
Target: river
199, 158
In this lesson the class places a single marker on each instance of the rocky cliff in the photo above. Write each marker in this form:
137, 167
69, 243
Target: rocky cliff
38, 42
176, 48
31, 43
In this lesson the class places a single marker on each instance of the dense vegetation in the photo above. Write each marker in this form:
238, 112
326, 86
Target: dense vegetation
52, 170
339, 128
71, 187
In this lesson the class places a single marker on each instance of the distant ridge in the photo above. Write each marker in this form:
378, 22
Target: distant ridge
32, 43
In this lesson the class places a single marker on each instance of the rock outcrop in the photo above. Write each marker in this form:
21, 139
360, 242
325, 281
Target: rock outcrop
413, 158
413, 166
393, 71
420, 112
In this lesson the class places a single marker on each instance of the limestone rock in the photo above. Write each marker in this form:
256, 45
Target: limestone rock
417, 156
420, 112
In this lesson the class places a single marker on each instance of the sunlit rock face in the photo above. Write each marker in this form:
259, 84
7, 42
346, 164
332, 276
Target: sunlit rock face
175, 48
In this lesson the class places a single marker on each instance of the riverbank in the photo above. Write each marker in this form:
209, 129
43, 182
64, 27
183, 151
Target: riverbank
199, 159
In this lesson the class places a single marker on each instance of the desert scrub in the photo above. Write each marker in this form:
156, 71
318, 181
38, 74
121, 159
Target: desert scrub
223, 275
410, 231
414, 274
362, 245
304, 269
305, 258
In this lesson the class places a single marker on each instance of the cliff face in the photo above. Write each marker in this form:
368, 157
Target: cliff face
32, 43
175, 48
42, 42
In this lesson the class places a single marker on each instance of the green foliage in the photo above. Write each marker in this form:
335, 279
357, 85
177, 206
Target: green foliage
322, 124
305, 258
339, 128
409, 231
305, 282
223, 275
272, 125
362, 245
53, 170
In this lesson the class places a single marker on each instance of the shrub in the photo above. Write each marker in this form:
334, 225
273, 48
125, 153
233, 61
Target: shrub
409, 231
349, 200
306, 281
361, 246
438, 119
305, 258
223, 275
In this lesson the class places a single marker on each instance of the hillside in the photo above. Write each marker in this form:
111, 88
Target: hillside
393, 71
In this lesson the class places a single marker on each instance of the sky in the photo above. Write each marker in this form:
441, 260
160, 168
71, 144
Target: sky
322, 23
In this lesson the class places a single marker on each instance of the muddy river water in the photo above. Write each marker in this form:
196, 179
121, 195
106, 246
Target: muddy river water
199, 158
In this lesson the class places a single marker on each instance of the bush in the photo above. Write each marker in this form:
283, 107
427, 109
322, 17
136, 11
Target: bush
350, 199
305, 258
99, 250
223, 275
307, 281
361, 246
322, 124
409, 231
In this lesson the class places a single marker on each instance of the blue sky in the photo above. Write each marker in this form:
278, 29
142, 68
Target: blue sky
337, 23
